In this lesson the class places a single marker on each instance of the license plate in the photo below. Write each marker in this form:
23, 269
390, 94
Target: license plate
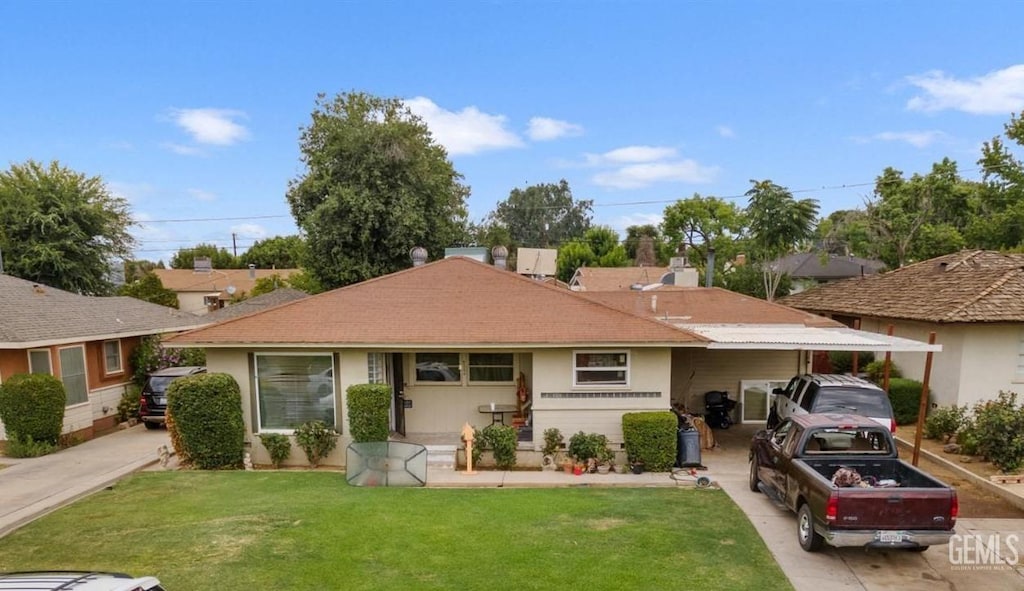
160, 400
890, 537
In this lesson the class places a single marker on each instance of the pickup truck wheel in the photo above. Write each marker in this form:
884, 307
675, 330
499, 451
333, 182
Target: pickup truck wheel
151, 426
754, 480
809, 539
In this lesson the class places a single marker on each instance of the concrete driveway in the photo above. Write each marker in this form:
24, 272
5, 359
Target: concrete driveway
856, 569
33, 487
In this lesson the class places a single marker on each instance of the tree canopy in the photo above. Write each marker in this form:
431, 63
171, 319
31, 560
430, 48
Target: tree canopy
599, 247
220, 258
149, 288
778, 223
62, 228
279, 252
376, 184
542, 216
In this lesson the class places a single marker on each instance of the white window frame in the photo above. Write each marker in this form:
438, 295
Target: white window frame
576, 369
469, 369
107, 370
256, 388
85, 373
49, 360
433, 383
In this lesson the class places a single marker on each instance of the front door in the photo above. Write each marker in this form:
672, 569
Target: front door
397, 381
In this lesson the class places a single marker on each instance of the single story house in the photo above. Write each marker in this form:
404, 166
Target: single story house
82, 340
204, 289
453, 336
281, 295
808, 269
972, 300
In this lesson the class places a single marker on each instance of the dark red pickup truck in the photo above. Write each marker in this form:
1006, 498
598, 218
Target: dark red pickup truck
842, 477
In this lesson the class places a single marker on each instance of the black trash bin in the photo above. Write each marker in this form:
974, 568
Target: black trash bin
688, 449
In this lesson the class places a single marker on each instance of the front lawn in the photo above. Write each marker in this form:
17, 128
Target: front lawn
309, 530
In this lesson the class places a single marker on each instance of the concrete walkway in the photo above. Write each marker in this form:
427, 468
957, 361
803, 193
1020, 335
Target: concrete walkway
33, 487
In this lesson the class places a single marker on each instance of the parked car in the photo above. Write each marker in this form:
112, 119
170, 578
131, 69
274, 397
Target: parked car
153, 401
843, 478
76, 580
835, 393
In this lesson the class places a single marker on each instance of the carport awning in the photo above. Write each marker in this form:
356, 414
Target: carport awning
801, 338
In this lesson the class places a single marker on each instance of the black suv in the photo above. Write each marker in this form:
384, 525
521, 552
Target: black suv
835, 393
153, 402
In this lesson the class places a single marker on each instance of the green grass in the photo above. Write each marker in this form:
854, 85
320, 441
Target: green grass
309, 530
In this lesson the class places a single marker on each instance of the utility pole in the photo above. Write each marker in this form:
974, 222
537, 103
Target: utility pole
234, 246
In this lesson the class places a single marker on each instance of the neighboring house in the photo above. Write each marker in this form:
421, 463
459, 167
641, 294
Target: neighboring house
84, 341
201, 291
972, 300
633, 278
807, 269
281, 295
453, 336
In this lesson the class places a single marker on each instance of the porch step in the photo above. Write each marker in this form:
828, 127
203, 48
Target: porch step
441, 457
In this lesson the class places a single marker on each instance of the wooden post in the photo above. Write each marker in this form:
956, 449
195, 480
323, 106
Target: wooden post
854, 358
888, 361
922, 407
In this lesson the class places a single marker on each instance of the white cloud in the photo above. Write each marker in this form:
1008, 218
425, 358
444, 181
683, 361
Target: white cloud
468, 131
182, 150
725, 131
631, 154
249, 231
996, 93
918, 139
133, 192
543, 129
635, 176
202, 195
211, 126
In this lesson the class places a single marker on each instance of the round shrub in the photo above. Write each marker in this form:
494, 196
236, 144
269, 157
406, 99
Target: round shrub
999, 430
876, 371
317, 440
501, 439
32, 407
650, 438
206, 412
905, 397
943, 423
279, 447
369, 406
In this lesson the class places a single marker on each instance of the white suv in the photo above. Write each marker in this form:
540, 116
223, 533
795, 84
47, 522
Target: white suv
76, 581
821, 393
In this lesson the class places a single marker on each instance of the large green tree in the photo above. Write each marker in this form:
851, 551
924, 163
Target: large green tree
279, 252
703, 223
599, 247
220, 258
646, 246
62, 228
543, 216
1000, 219
376, 184
778, 224
149, 288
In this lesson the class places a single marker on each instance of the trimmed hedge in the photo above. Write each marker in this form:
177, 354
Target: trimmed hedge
32, 407
369, 406
905, 397
206, 412
650, 437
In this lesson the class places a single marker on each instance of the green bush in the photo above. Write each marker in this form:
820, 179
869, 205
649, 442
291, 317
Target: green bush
26, 447
650, 438
943, 423
128, 406
32, 407
587, 446
999, 429
553, 440
905, 397
150, 356
369, 406
206, 412
967, 438
501, 439
876, 371
278, 446
842, 361
317, 440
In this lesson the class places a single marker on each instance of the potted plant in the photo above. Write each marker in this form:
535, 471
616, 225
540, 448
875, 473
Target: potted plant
605, 456
552, 444
637, 466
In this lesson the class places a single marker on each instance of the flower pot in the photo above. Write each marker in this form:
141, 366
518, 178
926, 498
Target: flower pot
577, 470
637, 468
619, 468
567, 467
603, 469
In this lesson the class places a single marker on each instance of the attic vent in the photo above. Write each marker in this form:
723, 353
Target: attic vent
202, 265
941, 267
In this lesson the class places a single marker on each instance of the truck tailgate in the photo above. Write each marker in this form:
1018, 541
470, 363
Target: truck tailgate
894, 508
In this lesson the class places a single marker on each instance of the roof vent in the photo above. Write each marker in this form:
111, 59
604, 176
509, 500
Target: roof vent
940, 267
418, 255
252, 271
202, 265
499, 254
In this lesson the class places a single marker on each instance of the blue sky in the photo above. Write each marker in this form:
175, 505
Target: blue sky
192, 111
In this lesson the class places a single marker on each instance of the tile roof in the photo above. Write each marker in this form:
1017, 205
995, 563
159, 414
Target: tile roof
615, 278
968, 286
808, 265
448, 303
187, 280
281, 295
707, 305
32, 314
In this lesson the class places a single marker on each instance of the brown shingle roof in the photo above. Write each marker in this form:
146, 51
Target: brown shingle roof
451, 302
187, 280
32, 314
808, 265
703, 305
968, 286
615, 278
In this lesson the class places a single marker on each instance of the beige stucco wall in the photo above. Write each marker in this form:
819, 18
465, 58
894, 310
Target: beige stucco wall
696, 371
192, 302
